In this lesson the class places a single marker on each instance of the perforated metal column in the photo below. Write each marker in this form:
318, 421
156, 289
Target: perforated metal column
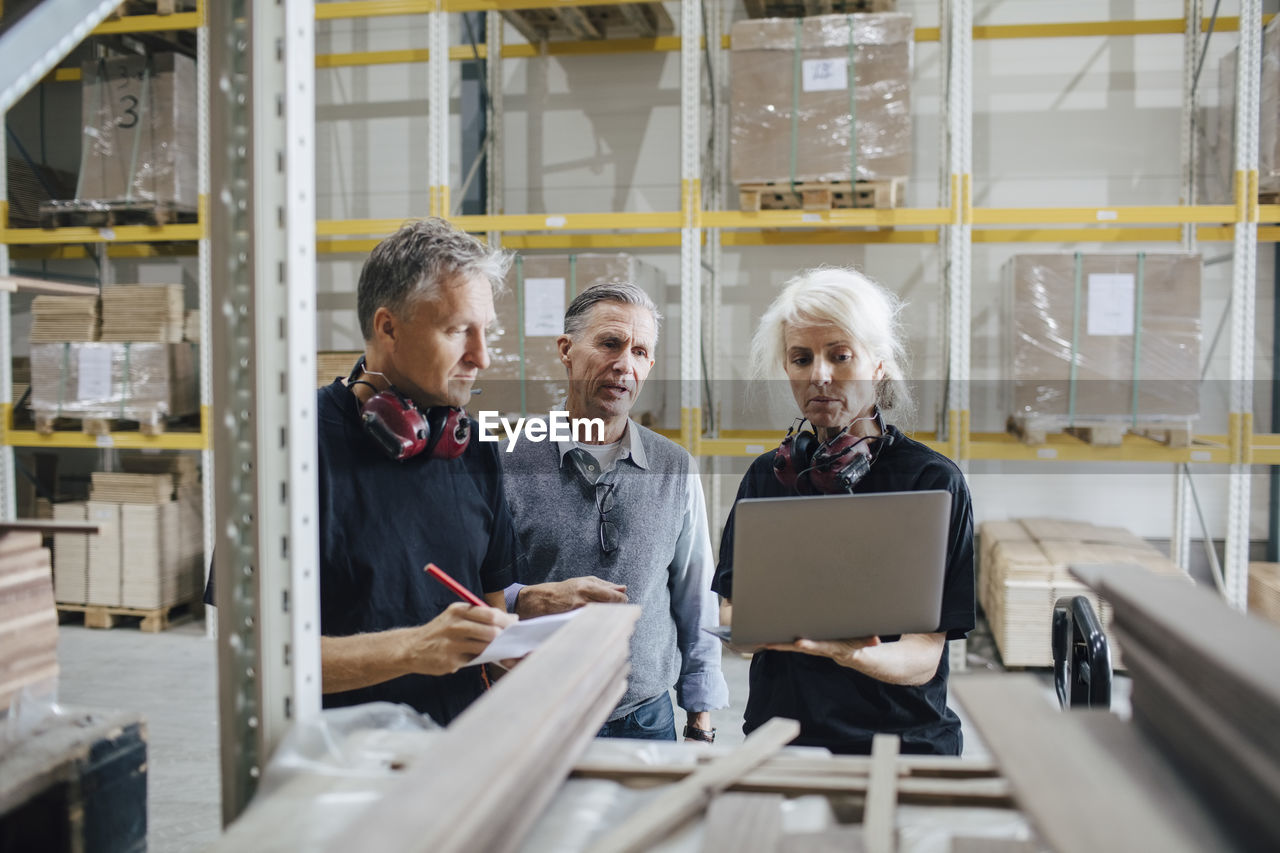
263, 274
1243, 290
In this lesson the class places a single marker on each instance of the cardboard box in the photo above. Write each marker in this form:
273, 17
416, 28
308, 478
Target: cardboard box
104, 554
1219, 153
1132, 361
525, 375
139, 117
790, 98
135, 381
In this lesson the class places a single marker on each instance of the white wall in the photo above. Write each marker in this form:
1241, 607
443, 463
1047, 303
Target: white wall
1058, 122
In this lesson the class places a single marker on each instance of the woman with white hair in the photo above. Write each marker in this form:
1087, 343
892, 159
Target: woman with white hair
835, 334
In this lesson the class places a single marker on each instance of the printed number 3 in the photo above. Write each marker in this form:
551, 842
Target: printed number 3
131, 111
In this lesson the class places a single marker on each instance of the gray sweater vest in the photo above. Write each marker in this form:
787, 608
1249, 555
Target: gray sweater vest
559, 531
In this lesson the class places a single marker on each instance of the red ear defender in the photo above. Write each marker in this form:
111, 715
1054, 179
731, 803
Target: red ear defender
793, 455
400, 428
839, 463
450, 432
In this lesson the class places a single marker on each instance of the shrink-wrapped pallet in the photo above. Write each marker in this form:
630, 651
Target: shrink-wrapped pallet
1220, 177
525, 375
794, 111
1098, 339
145, 382
139, 115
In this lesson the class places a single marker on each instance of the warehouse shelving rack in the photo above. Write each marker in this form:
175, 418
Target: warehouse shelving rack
956, 223
132, 241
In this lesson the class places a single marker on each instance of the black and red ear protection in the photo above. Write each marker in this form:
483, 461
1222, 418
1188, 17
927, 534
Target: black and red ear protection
807, 465
402, 430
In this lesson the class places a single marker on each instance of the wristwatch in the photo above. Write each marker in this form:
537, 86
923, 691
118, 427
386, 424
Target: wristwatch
694, 733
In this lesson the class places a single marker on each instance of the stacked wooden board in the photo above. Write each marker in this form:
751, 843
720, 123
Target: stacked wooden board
1206, 689
1022, 571
143, 312
1264, 590
28, 621
65, 318
191, 327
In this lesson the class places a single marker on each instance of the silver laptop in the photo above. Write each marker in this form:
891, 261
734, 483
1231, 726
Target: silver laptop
831, 567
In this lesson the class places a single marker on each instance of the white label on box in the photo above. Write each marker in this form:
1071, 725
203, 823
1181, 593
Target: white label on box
1110, 304
825, 75
95, 373
543, 306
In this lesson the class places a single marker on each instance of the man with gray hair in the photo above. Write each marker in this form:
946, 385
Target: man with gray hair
401, 485
621, 518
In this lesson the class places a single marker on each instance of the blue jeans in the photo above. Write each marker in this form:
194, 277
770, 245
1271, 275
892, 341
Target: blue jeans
654, 720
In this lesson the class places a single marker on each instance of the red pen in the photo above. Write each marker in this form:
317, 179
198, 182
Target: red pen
457, 588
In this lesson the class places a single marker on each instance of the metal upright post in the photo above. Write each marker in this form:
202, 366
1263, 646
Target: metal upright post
495, 162
1243, 288
263, 220
1180, 536
438, 110
958, 22
8, 470
203, 284
715, 12
691, 228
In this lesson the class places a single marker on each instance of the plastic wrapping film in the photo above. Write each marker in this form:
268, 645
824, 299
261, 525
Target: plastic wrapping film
133, 381
1218, 142
525, 375
139, 142
793, 114
1102, 338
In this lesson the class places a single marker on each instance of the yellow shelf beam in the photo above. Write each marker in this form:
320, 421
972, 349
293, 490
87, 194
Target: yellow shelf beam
865, 217
117, 234
1132, 215
150, 24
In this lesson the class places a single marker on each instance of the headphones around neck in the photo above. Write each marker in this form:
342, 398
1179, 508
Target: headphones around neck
807, 465
402, 430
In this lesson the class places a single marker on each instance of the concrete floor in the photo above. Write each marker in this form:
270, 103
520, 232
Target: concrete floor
171, 679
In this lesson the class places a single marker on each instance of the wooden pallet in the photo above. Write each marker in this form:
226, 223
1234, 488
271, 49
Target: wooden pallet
643, 20
151, 7
1101, 433
152, 620
109, 214
47, 423
809, 8
820, 195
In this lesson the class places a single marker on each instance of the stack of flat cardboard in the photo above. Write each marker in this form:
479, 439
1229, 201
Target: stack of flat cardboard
64, 318
331, 364
131, 488
1023, 572
28, 620
191, 326
70, 556
151, 545
104, 554
143, 312
1264, 590
21, 366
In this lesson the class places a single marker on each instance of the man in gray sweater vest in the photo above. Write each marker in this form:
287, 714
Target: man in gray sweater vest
620, 516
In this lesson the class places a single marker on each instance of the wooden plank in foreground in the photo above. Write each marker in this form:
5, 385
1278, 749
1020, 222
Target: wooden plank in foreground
1084, 794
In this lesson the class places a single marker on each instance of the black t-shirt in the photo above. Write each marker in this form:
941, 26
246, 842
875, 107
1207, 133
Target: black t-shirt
840, 708
381, 522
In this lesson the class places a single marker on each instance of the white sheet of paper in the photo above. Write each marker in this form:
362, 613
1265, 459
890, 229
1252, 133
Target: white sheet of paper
825, 75
522, 637
543, 306
1110, 304
94, 373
